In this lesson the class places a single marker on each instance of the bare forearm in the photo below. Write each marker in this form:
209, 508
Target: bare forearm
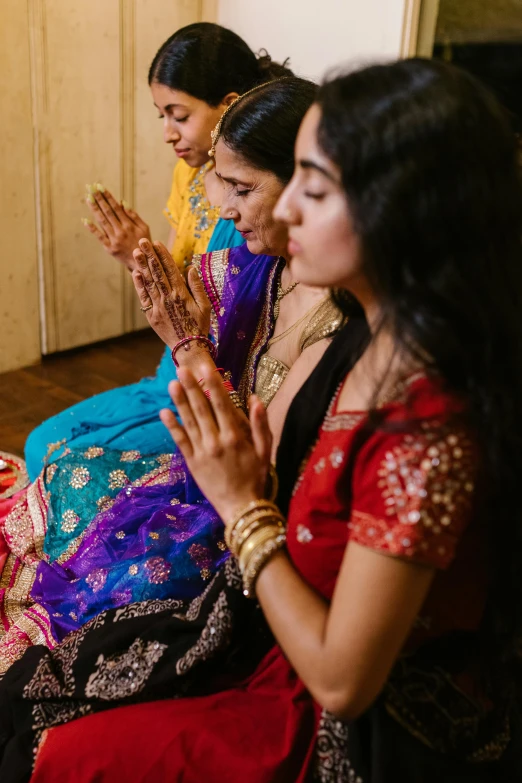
298, 617
343, 657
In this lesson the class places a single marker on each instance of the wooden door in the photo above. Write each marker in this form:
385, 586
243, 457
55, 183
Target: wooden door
95, 122
76, 108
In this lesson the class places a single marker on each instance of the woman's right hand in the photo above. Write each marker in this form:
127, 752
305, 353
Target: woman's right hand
118, 228
173, 311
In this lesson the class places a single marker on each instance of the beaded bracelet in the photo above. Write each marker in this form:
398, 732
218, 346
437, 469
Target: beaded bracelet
191, 338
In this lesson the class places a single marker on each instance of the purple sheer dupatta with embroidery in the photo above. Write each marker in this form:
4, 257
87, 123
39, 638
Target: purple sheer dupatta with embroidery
166, 541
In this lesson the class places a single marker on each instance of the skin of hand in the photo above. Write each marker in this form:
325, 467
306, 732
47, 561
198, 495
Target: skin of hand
117, 227
228, 459
172, 309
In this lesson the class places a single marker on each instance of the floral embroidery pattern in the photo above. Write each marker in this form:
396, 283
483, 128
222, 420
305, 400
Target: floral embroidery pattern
303, 534
332, 763
427, 486
93, 452
96, 579
105, 502
80, 478
130, 456
117, 479
213, 636
320, 465
157, 570
206, 215
336, 457
70, 520
119, 676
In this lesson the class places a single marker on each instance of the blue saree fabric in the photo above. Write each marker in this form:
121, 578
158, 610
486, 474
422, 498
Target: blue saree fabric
121, 419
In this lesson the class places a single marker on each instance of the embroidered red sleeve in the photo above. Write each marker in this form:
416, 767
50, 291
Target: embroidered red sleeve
413, 494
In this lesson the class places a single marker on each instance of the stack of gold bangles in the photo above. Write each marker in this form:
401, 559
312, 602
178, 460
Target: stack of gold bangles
253, 537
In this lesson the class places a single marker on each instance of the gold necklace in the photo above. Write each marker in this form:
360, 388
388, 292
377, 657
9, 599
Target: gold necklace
281, 293
308, 314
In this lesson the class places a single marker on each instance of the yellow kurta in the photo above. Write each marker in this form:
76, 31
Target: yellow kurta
189, 211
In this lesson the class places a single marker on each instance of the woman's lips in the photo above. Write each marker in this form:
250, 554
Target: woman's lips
294, 247
181, 153
246, 234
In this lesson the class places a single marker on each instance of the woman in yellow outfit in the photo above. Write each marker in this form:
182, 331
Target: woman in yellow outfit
194, 76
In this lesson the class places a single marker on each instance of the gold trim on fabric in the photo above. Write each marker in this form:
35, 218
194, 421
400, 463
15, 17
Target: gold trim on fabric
269, 378
263, 332
38, 503
20, 471
325, 322
213, 279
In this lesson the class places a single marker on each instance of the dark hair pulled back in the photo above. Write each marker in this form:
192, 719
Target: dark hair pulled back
428, 162
208, 62
262, 127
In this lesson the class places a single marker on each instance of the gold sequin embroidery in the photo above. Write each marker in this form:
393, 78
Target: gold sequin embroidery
117, 479
80, 478
70, 520
130, 456
93, 452
105, 502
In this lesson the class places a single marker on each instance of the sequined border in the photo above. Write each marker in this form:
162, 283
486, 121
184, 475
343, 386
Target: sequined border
261, 337
20, 471
212, 268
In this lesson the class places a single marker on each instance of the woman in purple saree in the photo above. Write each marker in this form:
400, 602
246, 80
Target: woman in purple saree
164, 539
152, 534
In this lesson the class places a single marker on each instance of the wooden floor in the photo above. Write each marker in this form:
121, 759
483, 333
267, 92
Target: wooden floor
31, 395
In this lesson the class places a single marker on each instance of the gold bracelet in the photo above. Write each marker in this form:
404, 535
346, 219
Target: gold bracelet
243, 534
232, 533
252, 506
256, 513
258, 561
255, 541
248, 524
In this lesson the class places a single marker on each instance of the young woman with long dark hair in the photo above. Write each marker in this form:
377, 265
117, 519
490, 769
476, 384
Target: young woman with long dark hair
389, 574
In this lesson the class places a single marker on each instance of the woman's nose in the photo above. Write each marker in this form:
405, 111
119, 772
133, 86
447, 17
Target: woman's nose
170, 132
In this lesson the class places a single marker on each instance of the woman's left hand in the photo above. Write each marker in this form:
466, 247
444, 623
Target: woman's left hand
173, 310
228, 459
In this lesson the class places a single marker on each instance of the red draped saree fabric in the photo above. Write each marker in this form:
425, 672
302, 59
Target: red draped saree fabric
404, 491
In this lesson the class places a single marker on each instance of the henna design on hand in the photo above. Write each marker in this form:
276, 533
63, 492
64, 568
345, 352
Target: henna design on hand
183, 322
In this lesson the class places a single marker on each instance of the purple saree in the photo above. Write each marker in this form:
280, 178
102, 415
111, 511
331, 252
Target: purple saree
162, 539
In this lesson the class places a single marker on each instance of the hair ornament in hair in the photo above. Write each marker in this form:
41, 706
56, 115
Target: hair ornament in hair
216, 133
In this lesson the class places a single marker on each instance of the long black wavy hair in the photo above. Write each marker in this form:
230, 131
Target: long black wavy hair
428, 161
263, 126
208, 62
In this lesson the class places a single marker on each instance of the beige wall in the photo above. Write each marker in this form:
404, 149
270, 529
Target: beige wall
19, 329
75, 108
97, 122
318, 35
